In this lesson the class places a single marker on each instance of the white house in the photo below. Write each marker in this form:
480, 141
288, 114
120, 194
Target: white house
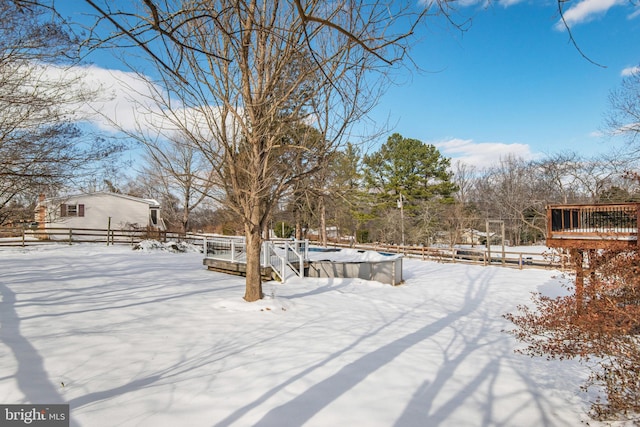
474, 237
100, 210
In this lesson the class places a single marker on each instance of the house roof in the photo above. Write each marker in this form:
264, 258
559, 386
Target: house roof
478, 232
150, 202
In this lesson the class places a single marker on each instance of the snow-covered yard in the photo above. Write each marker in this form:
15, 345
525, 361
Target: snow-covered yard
150, 338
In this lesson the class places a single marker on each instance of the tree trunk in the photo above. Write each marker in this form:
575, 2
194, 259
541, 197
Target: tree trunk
185, 219
323, 220
253, 290
253, 237
298, 220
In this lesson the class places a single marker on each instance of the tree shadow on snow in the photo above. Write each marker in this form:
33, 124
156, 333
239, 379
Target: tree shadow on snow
53, 299
31, 376
304, 406
434, 402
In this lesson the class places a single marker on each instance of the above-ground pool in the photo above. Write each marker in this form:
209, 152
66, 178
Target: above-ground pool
349, 263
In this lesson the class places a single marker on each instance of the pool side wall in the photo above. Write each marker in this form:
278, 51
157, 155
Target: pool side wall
387, 271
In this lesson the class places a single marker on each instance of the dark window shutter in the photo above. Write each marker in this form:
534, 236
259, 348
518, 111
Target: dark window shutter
80, 210
63, 210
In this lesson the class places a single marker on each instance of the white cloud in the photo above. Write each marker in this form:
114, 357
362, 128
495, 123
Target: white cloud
115, 100
507, 3
482, 154
585, 11
467, 3
629, 71
126, 102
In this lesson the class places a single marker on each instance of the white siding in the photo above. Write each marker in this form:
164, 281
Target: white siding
98, 208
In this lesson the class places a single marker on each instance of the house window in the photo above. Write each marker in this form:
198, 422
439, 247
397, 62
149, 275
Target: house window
71, 210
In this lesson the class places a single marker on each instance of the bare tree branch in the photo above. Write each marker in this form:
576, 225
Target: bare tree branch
571, 38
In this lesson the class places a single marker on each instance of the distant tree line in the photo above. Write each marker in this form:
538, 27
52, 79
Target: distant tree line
359, 195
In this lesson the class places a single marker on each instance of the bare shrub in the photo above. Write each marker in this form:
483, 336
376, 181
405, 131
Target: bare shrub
602, 331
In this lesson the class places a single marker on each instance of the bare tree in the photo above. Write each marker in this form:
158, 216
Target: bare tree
624, 116
569, 178
561, 177
41, 146
508, 191
236, 74
600, 330
460, 214
345, 190
179, 170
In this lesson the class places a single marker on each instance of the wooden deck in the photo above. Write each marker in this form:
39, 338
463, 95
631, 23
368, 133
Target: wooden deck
602, 226
236, 268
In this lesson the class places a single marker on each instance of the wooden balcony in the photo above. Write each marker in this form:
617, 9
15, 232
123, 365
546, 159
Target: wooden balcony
601, 226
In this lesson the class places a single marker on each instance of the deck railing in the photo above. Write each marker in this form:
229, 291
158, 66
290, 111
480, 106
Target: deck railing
277, 254
228, 248
596, 222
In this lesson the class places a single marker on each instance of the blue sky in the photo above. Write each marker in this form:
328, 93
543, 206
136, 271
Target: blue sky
511, 83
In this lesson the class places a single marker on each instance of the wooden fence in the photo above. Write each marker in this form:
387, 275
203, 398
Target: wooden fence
29, 237
552, 259
482, 256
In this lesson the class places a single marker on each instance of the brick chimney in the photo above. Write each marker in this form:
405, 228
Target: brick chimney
41, 214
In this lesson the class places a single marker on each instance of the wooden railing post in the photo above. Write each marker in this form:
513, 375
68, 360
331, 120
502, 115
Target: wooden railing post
549, 223
578, 260
638, 225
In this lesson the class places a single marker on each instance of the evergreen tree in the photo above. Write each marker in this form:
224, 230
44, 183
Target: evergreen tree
405, 173
409, 167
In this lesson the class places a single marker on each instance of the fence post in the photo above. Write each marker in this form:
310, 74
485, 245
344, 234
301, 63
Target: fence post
263, 255
302, 255
520, 261
504, 261
70, 235
233, 250
23, 231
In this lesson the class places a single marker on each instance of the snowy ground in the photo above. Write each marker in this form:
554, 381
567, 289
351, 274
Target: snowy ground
151, 338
